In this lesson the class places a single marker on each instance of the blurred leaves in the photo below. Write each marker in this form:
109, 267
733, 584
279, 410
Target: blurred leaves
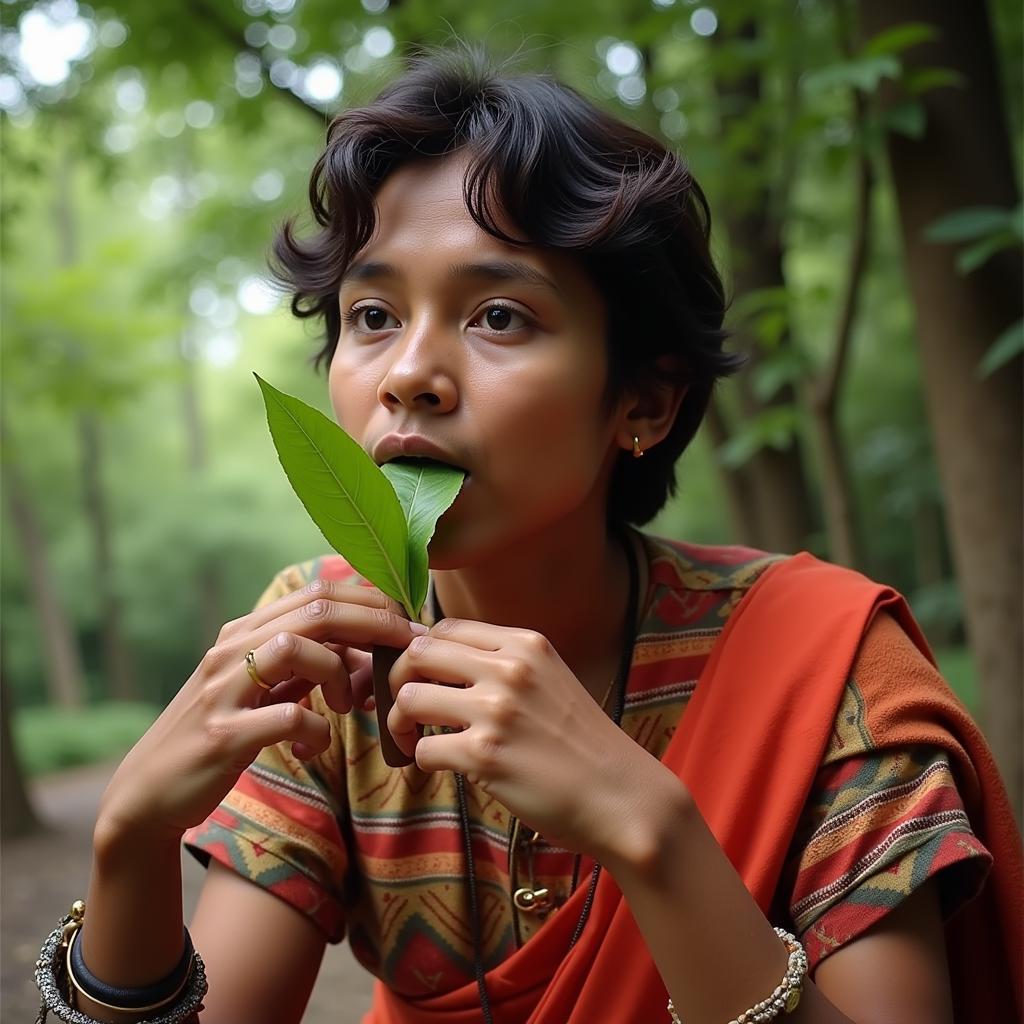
176, 205
990, 230
772, 428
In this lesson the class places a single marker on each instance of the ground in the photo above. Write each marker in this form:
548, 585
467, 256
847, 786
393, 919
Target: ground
42, 875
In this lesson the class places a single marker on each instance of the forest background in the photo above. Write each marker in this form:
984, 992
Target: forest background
862, 161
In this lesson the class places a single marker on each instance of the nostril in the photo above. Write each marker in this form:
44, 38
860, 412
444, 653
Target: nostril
430, 398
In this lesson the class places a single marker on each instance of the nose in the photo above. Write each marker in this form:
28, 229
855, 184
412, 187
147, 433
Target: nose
422, 374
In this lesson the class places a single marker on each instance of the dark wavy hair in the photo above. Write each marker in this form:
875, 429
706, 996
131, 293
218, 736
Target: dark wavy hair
567, 175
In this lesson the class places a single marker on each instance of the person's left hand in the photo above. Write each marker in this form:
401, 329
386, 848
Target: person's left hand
531, 735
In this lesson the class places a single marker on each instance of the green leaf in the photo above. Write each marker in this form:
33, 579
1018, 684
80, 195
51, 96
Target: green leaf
864, 73
968, 223
426, 491
908, 119
899, 38
773, 427
786, 366
344, 492
976, 255
1007, 346
921, 80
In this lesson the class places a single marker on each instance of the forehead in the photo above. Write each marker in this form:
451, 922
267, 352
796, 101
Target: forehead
422, 222
424, 198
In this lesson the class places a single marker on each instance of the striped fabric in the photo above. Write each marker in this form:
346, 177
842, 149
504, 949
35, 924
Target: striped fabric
377, 852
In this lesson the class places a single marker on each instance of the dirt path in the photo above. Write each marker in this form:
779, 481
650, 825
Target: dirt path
42, 874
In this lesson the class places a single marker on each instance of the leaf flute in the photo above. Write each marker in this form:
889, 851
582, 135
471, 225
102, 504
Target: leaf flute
380, 519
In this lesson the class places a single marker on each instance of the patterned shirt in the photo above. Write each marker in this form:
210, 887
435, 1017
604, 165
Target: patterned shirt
377, 852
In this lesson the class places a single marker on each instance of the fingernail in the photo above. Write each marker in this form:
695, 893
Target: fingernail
418, 628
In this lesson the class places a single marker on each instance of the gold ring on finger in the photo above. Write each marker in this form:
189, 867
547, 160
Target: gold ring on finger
250, 667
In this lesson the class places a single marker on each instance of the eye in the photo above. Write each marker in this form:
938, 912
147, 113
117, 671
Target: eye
376, 318
500, 318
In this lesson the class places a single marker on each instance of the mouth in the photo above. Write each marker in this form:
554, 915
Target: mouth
422, 460
413, 450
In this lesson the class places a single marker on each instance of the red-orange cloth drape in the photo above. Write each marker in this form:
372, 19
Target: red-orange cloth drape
748, 747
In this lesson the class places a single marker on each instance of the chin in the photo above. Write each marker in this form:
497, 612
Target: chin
459, 544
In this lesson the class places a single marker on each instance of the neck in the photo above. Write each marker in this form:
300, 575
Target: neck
571, 588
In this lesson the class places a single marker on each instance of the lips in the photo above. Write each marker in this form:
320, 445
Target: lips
413, 446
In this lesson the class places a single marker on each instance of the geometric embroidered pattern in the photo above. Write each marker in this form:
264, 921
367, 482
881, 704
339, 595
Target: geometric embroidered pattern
376, 852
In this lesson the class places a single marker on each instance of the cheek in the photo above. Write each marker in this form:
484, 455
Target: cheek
352, 391
556, 424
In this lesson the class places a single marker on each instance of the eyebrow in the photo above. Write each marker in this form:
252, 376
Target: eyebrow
492, 270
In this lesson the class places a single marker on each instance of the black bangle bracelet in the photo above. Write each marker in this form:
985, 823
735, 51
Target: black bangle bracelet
132, 998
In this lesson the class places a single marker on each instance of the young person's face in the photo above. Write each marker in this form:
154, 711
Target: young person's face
442, 338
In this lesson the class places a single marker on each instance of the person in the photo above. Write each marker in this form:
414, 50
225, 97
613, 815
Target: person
652, 780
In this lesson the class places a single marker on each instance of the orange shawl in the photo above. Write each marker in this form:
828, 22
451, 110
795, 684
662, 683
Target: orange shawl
771, 689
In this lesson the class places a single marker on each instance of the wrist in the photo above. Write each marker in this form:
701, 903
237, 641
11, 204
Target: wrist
652, 808
114, 840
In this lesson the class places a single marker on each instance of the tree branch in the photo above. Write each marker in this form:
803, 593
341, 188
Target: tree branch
214, 17
826, 388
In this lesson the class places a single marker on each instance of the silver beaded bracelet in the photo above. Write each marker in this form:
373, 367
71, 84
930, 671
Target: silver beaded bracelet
786, 996
52, 980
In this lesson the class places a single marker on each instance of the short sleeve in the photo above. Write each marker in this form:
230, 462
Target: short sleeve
280, 826
879, 821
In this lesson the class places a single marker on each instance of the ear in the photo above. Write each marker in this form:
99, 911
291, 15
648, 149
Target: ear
650, 408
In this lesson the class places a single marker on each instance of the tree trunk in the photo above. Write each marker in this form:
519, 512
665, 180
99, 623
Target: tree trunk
63, 675
17, 816
964, 159
736, 482
784, 509
116, 658
836, 490
836, 485
209, 583
930, 562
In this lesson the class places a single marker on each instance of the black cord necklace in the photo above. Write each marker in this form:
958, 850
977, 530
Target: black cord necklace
621, 681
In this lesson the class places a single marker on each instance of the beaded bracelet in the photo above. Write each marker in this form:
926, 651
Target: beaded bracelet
53, 981
786, 996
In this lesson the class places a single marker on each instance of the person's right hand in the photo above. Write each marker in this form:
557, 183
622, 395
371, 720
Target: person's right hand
220, 719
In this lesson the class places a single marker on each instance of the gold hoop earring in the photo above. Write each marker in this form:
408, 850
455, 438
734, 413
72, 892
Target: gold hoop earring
637, 450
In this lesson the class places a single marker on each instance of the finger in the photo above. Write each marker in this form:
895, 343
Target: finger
427, 657
354, 660
362, 688
331, 590
360, 671
309, 732
343, 622
293, 665
448, 752
482, 635
298, 690
425, 704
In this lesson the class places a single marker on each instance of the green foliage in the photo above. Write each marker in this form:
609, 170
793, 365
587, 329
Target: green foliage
978, 222
957, 668
426, 492
990, 229
772, 427
1006, 347
169, 220
899, 38
861, 73
381, 520
48, 740
343, 491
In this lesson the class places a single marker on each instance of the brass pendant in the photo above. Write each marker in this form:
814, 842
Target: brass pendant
531, 901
